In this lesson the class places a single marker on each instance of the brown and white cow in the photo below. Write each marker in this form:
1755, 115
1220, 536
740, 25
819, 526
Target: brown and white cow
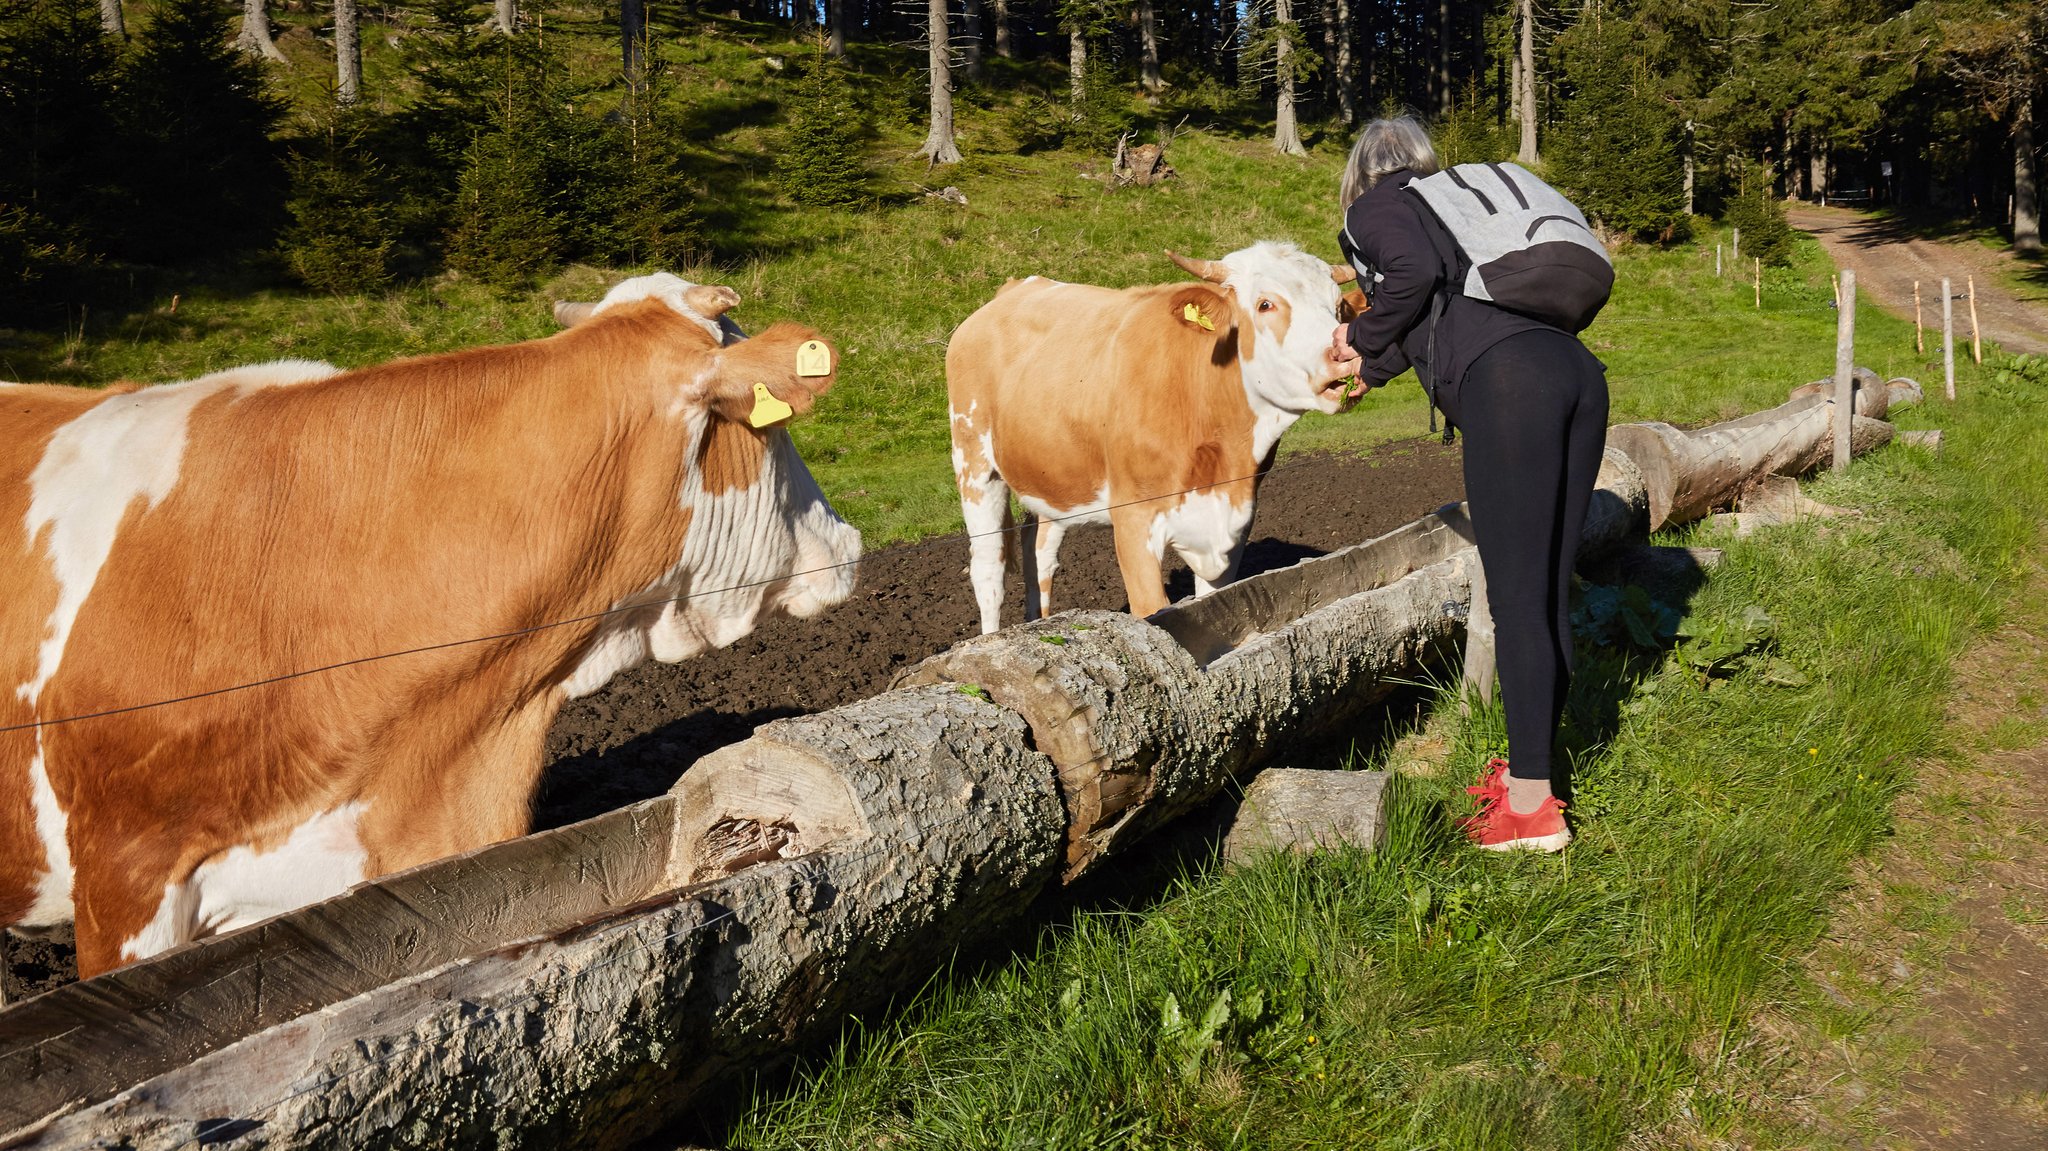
1152, 408
583, 501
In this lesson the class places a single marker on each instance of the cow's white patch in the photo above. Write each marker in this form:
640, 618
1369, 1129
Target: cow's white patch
668, 288
1205, 530
1095, 511
53, 888
322, 857
126, 448
275, 374
773, 546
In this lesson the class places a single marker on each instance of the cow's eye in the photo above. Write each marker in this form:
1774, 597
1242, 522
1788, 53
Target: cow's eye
1266, 305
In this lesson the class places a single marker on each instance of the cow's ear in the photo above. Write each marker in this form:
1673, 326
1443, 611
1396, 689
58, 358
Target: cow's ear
1203, 319
791, 364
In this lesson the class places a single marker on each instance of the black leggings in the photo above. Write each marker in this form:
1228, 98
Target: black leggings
1534, 412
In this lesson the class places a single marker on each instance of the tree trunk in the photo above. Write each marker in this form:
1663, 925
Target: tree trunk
504, 16
1002, 8
255, 35
348, 54
938, 143
1817, 173
112, 21
1286, 136
835, 32
1148, 47
1445, 97
970, 41
1347, 105
1688, 167
1077, 64
632, 42
2026, 196
1527, 71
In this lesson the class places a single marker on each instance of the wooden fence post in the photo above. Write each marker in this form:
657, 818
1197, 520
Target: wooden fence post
1717, 261
1976, 340
1757, 282
1736, 255
1919, 346
1845, 368
1948, 336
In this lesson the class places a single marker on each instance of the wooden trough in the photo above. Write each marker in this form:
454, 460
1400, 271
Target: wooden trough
583, 985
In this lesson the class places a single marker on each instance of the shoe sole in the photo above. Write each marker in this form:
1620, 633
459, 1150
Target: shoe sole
1548, 844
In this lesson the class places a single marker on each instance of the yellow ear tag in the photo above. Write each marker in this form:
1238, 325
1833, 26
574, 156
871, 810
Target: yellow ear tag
1193, 314
813, 358
767, 409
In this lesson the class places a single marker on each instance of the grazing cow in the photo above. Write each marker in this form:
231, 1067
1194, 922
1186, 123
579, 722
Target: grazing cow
511, 526
1152, 408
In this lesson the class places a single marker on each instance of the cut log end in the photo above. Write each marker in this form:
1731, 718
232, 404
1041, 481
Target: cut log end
1291, 810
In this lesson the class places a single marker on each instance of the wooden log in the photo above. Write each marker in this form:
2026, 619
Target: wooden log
1140, 732
594, 1034
1688, 474
1482, 659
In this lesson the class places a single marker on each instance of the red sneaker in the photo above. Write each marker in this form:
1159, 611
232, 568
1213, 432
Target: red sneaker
1501, 828
1491, 789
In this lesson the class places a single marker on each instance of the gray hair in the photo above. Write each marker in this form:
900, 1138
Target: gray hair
1388, 144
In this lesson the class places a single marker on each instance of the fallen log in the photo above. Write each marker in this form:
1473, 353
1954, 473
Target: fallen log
594, 1030
1688, 473
576, 987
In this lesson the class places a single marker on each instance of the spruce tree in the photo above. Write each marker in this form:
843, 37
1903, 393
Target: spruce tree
200, 173
1617, 154
340, 238
820, 159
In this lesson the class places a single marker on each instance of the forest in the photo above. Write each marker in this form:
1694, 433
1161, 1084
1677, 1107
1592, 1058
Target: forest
347, 148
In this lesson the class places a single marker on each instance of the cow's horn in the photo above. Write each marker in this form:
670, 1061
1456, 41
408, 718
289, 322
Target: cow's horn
711, 300
1208, 270
569, 313
1342, 273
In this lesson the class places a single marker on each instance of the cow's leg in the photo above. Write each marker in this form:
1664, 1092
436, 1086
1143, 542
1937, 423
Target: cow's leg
985, 505
1027, 564
1140, 545
127, 912
1046, 561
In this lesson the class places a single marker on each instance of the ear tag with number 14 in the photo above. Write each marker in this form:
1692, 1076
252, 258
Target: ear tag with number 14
813, 358
767, 409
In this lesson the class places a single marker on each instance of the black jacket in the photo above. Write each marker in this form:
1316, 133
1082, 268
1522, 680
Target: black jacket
1402, 239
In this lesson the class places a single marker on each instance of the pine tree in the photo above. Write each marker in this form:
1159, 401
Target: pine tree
201, 174
1617, 154
820, 159
340, 238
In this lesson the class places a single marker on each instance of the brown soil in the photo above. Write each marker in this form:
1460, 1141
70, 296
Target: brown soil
633, 739
1888, 259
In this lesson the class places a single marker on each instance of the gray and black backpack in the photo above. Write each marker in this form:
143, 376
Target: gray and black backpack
1526, 248
1521, 245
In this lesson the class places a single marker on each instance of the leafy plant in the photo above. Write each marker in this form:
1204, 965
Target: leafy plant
1721, 647
1623, 616
1185, 1042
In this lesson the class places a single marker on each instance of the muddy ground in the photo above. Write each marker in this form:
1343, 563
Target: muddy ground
633, 739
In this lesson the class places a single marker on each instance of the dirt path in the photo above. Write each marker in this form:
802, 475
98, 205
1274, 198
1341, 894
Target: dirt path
1938, 958
1888, 258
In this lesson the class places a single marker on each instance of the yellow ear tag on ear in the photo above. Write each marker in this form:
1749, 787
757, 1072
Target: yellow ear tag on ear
813, 358
767, 409
1192, 313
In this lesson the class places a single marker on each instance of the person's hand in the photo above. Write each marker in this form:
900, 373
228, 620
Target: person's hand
1340, 344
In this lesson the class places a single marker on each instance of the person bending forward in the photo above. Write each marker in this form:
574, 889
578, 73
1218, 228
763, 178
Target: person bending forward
1532, 402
